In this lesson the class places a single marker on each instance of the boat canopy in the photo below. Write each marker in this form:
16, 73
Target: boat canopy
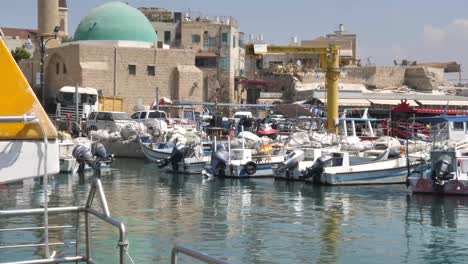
442, 119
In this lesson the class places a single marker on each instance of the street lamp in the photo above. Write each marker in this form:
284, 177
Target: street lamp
42, 48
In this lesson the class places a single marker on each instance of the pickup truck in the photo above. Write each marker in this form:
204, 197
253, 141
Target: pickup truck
142, 116
106, 120
152, 119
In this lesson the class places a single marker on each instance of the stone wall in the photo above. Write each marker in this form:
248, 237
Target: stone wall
106, 68
141, 87
424, 78
375, 77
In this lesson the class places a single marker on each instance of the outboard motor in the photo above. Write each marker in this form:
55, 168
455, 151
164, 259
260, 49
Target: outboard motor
84, 156
316, 170
102, 156
291, 161
442, 170
219, 161
177, 155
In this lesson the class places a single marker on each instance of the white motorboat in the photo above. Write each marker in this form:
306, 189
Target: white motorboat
336, 169
447, 170
157, 151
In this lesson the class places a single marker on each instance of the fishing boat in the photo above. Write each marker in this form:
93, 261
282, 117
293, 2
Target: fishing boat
447, 170
385, 169
157, 151
242, 163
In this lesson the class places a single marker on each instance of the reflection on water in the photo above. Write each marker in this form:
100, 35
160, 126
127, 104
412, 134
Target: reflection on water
246, 221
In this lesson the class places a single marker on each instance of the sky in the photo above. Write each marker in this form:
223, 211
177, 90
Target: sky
421, 30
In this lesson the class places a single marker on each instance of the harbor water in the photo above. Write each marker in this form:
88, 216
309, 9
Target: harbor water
243, 221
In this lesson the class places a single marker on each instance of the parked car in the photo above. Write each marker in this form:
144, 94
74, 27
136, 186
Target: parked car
110, 121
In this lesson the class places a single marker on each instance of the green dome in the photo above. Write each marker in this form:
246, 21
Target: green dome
115, 21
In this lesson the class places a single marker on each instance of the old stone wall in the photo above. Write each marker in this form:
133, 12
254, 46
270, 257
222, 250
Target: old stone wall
140, 87
375, 76
62, 69
424, 78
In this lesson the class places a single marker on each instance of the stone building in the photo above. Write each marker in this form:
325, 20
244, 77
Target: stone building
165, 23
216, 42
114, 50
347, 42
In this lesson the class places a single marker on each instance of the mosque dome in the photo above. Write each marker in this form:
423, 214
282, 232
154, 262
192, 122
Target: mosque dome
115, 21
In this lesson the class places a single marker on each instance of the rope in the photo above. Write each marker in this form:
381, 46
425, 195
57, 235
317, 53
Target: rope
128, 255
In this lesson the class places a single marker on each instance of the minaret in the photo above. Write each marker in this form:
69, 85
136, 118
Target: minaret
47, 16
63, 17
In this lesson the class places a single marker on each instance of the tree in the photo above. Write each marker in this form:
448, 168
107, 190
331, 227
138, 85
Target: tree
20, 53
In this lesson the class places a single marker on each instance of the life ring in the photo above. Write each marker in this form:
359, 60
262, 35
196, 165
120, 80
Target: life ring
250, 167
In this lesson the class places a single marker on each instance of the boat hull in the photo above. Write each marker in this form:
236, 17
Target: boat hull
23, 159
452, 187
67, 164
262, 171
192, 168
125, 149
395, 172
155, 154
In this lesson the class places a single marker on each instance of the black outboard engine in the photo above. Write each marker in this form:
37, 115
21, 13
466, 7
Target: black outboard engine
92, 157
442, 170
177, 155
83, 156
291, 161
102, 156
316, 170
219, 161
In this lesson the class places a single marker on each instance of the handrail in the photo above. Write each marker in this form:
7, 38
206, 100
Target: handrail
87, 210
25, 119
194, 254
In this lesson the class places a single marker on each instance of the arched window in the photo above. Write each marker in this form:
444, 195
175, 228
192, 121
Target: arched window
62, 24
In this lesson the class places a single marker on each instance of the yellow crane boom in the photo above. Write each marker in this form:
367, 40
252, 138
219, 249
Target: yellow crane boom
330, 61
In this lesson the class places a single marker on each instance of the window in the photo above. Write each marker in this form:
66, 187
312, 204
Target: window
151, 70
143, 115
157, 115
458, 126
57, 68
225, 39
131, 69
209, 41
104, 116
234, 41
135, 115
195, 38
92, 116
223, 63
119, 116
64, 69
62, 24
206, 62
167, 37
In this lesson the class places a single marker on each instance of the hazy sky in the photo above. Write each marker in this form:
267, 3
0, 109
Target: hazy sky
422, 30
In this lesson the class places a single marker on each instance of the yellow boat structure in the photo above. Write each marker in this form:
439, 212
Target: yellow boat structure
28, 139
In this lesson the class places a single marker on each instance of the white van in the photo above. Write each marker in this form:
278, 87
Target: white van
241, 114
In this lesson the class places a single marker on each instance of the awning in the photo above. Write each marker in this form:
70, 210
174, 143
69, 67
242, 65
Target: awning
353, 102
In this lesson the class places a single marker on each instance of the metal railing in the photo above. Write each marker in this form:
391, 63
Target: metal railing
88, 211
194, 254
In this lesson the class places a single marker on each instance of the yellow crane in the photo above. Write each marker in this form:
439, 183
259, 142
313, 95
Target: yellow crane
330, 61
